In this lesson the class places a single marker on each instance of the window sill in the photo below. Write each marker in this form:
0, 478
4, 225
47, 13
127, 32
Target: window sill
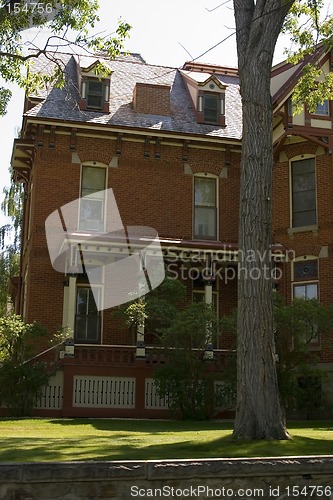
204, 239
85, 343
303, 229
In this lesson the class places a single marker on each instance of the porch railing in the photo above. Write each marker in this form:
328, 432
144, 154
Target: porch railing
124, 355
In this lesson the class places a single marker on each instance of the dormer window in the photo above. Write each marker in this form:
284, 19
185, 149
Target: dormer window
95, 94
211, 108
94, 79
207, 91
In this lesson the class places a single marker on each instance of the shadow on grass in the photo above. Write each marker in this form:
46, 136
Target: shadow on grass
127, 448
151, 426
319, 425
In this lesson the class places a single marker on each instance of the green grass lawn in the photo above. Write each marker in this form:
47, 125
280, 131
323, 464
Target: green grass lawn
32, 440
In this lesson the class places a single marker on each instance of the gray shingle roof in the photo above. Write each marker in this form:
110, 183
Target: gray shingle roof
63, 103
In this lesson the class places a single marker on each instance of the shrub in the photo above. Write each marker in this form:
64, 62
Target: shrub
21, 380
185, 379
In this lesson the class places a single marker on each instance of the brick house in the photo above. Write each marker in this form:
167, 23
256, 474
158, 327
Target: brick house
167, 142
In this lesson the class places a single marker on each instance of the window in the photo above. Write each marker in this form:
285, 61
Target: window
88, 317
205, 208
211, 108
303, 178
95, 94
303, 288
306, 270
306, 291
322, 108
305, 276
92, 200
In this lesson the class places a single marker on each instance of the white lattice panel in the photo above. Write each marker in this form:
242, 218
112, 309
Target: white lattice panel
104, 392
152, 399
52, 395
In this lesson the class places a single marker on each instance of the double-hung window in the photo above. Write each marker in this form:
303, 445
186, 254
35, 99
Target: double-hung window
205, 207
92, 200
88, 316
95, 94
303, 178
211, 108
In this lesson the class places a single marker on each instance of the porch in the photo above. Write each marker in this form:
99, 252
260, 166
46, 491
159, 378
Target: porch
109, 381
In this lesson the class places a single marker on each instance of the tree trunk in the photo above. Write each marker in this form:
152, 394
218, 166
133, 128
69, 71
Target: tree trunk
259, 414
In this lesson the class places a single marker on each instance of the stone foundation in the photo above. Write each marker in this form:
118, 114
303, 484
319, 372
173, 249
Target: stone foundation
247, 479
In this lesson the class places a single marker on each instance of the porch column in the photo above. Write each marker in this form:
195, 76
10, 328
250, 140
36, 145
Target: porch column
140, 341
140, 329
209, 354
71, 303
65, 306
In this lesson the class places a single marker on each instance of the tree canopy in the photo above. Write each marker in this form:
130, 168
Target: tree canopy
70, 23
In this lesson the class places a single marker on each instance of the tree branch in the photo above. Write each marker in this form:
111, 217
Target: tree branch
20, 57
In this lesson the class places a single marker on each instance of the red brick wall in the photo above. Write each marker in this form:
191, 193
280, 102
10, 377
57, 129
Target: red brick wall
308, 242
151, 99
148, 192
156, 192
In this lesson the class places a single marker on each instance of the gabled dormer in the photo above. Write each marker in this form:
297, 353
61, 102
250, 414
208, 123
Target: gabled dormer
207, 91
314, 125
94, 86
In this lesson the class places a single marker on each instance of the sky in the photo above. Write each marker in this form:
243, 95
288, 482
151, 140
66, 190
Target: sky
165, 33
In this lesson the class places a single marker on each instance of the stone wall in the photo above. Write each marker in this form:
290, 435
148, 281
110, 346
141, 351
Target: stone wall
247, 479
